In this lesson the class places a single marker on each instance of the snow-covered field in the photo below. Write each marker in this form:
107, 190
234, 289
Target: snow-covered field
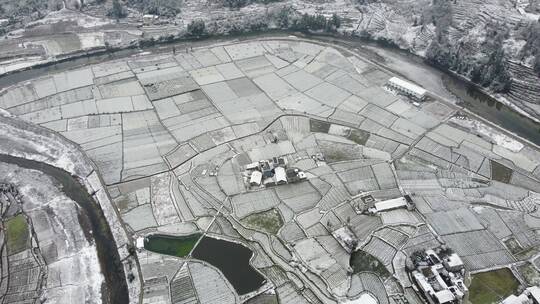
73, 271
496, 136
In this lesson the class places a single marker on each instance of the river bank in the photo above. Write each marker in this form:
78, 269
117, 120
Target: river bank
34, 143
115, 288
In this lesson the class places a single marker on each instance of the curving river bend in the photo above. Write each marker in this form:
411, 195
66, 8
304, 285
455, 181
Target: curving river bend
115, 290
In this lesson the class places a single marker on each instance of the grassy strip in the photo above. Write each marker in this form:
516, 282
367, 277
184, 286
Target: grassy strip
17, 234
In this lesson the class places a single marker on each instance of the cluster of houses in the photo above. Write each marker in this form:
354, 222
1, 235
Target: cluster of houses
271, 172
439, 277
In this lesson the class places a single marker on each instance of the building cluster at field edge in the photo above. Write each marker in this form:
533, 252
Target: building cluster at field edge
439, 277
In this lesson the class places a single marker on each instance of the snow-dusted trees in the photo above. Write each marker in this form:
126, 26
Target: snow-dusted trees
196, 28
117, 10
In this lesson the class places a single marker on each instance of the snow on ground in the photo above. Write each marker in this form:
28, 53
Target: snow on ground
92, 40
73, 269
83, 284
29, 141
66, 15
365, 298
22, 139
19, 64
483, 129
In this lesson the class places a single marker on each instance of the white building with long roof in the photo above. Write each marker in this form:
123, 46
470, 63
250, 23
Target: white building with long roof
407, 88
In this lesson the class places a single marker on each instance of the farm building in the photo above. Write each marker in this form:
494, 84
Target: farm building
280, 175
439, 283
255, 179
391, 204
406, 88
453, 263
295, 175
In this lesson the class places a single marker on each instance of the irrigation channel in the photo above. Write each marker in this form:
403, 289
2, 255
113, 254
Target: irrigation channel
471, 97
231, 258
115, 289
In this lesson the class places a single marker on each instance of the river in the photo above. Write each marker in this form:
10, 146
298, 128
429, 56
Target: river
115, 287
492, 110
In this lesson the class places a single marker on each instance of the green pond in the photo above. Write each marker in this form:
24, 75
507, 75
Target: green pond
179, 246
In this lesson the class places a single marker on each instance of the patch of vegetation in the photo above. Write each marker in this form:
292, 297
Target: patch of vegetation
263, 299
527, 253
242, 3
179, 246
500, 172
122, 204
490, 70
18, 234
267, 221
21, 8
166, 8
319, 126
336, 155
289, 18
335, 151
359, 136
492, 286
513, 246
318, 22
530, 274
117, 10
196, 28
531, 34
163, 8
363, 261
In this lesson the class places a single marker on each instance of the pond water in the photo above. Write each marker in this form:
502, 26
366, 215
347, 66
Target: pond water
114, 289
231, 258
233, 261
